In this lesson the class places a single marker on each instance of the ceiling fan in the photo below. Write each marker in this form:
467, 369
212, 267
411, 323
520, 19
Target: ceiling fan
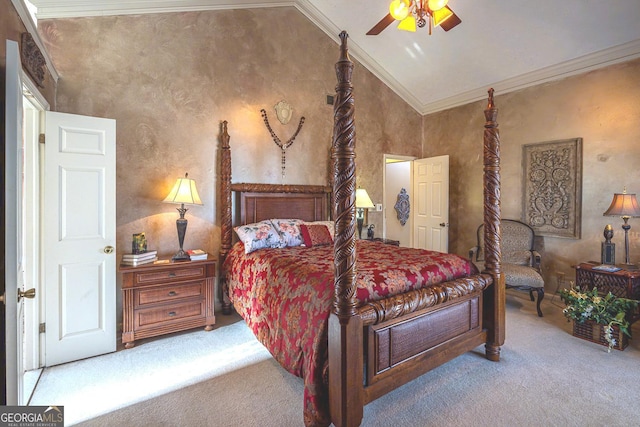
417, 13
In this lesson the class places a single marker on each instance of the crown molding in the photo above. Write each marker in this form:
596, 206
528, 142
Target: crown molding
52, 9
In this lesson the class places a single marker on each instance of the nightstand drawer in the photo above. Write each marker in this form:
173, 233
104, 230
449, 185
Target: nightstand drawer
187, 272
146, 318
174, 292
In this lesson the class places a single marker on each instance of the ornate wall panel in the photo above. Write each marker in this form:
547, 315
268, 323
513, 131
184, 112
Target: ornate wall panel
552, 187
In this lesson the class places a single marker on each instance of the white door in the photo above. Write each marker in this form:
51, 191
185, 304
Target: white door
79, 237
14, 309
397, 176
431, 203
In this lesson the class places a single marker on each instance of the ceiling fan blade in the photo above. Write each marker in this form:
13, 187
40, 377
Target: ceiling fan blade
384, 23
451, 22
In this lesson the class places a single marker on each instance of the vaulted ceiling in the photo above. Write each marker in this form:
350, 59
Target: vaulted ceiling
504, 44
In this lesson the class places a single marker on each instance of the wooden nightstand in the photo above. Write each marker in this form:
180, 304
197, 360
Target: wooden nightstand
163, 298
386, 241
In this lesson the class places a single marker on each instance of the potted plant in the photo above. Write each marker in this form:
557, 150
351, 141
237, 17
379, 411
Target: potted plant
590, 307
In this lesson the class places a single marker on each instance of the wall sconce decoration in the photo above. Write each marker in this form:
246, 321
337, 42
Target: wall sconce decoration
402, 207
283, 112
625, 206
363, 202
183, 192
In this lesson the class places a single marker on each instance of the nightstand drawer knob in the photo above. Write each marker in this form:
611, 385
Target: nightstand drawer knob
172, 294
172, 313
172, 274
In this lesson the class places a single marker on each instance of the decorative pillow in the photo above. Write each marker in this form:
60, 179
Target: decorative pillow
258, 236
289, 230
331, 225
315, 235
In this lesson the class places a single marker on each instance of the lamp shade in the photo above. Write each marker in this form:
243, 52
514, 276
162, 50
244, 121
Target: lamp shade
184, 191
623, 205
363, 200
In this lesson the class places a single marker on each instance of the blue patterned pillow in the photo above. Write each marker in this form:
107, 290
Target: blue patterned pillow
258, 236
289, 230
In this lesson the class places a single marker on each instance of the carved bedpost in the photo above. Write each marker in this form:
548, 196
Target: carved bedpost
225, 210
494, 300
346, 398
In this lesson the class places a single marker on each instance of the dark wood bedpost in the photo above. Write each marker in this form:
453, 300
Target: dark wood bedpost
225, 210
494, 297
346, 398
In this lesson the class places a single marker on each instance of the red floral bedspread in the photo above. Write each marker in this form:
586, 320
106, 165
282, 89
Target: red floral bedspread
285, 297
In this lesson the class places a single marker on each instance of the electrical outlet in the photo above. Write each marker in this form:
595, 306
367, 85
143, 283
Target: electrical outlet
378, 207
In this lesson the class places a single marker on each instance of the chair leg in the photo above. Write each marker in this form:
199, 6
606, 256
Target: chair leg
540, 297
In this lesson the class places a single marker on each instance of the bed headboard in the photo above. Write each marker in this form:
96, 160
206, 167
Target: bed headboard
258, 202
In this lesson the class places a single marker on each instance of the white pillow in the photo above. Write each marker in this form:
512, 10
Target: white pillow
258, 236
289, 230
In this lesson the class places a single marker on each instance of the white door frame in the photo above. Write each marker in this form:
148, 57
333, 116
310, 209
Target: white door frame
34, 105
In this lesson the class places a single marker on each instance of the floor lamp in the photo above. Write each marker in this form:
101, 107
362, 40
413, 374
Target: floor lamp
625, 206
183, 192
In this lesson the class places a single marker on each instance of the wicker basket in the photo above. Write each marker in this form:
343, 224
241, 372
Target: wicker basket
594, 332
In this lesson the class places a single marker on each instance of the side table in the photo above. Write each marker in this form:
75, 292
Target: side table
167, 297
623, 283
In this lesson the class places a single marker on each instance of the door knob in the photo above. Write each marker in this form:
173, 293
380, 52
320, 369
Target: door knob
29, 293
108, 249
442, 224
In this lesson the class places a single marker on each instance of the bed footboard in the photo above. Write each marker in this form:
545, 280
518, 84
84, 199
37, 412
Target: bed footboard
406, 347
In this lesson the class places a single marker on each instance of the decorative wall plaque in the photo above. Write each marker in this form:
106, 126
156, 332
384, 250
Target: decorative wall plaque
32, 59
552, 187
403, 207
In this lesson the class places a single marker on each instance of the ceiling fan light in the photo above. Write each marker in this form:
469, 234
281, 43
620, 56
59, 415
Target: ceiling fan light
399, 9
439, 16
434, 5
408, 24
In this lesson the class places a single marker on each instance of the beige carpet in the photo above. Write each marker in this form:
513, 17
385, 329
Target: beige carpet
546, 377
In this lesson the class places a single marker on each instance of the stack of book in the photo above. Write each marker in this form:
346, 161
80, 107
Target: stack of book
197, 254
139, 259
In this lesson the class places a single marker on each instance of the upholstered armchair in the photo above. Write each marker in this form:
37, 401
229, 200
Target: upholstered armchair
520, 262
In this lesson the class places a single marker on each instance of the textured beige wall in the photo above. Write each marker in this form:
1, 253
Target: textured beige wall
170, 79
602, 107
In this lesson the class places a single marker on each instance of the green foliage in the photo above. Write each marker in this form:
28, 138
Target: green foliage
607, 310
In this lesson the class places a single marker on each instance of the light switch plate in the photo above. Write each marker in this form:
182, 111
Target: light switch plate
378, 207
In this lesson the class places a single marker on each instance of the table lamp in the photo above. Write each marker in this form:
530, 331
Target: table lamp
363, 202
183, 192
625, 206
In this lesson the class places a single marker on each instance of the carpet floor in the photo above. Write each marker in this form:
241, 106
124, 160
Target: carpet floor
546, 377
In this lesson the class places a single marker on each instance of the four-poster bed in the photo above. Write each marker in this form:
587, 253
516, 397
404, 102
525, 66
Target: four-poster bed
358, 332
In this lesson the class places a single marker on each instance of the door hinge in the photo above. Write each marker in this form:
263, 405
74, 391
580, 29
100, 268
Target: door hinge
42, 328
41, 138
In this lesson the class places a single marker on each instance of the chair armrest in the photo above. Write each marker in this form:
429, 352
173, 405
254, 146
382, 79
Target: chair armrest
473, 253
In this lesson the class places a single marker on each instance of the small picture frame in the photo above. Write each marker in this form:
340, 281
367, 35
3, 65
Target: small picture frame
139, 243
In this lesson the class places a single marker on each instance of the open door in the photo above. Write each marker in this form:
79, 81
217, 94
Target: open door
427, 183
431, 212
79, 237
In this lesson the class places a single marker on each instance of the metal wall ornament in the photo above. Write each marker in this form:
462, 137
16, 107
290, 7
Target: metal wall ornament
552, 187
403, 207
284, 112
